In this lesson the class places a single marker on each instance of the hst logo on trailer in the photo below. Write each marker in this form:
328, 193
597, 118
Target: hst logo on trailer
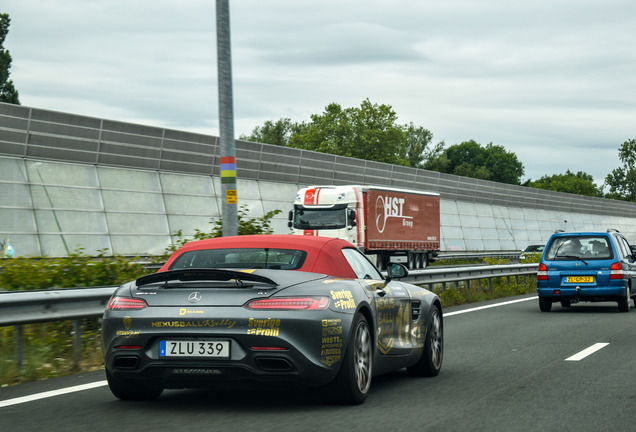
393, 208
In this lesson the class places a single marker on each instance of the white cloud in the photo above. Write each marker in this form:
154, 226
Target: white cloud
552, 81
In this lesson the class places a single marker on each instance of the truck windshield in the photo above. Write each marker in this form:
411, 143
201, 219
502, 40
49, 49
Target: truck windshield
319, 219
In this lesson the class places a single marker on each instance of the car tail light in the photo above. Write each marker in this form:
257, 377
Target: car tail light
542, 272
126, 303
290, 303
616, 271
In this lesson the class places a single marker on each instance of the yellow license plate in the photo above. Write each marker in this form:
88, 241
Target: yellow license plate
579, 279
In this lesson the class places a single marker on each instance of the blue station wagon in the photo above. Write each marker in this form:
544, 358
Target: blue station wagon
586, 266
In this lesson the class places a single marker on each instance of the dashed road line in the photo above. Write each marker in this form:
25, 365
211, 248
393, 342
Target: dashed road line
51, 393
587, 351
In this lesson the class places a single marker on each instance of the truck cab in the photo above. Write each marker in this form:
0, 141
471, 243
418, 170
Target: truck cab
330, 211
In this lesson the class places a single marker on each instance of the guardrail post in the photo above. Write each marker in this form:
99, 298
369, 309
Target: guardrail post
19, 345
77, 340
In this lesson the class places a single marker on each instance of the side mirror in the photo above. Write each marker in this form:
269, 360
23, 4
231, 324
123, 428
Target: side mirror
351, 215
396, 271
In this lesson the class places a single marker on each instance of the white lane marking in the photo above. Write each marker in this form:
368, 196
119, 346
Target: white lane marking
51, 393
587, 351
489, 306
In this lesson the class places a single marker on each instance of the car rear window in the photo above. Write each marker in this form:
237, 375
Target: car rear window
247, 258
579, 247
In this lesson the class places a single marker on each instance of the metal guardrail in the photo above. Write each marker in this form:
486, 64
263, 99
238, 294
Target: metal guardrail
24, 307
457, 275
75, 304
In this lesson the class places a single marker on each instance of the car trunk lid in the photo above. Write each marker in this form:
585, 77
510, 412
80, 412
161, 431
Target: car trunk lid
215, 287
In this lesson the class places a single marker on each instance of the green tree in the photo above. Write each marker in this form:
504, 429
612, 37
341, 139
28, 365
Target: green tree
278, 133
418, 146
470, 159
368, 132
8, 93
580, 183
622, 180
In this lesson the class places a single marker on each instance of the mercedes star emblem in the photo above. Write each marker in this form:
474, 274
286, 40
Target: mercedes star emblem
195, 297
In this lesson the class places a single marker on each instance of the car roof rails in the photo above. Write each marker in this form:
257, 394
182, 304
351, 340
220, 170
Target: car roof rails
558, 231
612, 230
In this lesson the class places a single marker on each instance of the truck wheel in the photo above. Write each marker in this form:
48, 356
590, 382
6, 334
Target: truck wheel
417, 260
411, 260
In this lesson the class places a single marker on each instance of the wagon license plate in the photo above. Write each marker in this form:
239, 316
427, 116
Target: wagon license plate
579, 279
198, 348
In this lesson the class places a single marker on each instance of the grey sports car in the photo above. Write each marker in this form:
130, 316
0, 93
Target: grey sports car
306, 310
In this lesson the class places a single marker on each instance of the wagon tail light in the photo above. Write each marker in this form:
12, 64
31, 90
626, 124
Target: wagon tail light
126, 303
542, 272
616, 271
289, 303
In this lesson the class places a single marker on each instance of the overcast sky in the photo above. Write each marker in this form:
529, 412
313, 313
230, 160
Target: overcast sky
553, 81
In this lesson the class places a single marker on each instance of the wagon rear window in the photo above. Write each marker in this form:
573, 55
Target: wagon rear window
579, 247
249, 258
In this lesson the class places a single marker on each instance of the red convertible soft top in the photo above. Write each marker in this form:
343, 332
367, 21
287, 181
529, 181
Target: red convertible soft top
324, 254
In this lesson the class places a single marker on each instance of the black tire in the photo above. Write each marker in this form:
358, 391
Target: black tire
425, 260
545, 305
430, 363
351, 385
132, 389
624, 303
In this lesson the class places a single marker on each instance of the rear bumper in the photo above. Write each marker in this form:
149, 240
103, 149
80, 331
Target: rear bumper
583, 293
261, 368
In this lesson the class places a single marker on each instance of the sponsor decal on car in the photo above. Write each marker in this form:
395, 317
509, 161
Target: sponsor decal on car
185, 311
264, 327
195, 323
127, 321
331, 348
343, 299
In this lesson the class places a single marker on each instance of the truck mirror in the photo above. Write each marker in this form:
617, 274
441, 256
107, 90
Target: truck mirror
351, 215
290, 217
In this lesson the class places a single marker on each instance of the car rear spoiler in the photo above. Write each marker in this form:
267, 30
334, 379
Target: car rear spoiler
203, 274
